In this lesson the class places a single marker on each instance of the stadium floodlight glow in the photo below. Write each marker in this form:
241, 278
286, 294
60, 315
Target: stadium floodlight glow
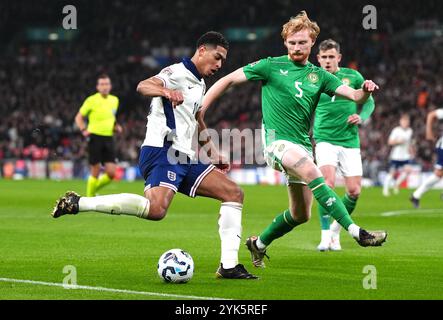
53, 36
252, 36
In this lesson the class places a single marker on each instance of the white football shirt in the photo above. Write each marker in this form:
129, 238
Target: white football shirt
401, 152
177, 125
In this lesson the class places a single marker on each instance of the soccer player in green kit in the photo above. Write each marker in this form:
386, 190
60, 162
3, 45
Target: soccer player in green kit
291, 88
337, 140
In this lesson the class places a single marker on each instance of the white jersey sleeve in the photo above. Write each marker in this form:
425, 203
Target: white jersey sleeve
176, 125
439, 113
168, 76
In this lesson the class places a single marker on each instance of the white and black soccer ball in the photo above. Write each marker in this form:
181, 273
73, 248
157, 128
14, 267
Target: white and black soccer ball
175, 265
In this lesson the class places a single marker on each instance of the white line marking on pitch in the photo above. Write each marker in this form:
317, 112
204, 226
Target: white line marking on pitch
401, 212
144, 293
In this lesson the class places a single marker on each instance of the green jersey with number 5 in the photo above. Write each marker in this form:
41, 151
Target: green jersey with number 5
290, 93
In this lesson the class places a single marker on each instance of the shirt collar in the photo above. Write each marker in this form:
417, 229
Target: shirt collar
191, 67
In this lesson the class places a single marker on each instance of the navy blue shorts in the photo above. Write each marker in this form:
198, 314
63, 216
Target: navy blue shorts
397, 164
439, 163
184, 177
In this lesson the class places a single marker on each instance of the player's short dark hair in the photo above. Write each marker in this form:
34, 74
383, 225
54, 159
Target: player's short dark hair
213, 38
103, 76
329, 44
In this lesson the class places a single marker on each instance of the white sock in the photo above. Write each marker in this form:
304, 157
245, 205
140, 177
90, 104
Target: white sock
335, 228
354, 231
326, 236
260, 245
123, 203
425, 186
388, 181
401, 178
230, 233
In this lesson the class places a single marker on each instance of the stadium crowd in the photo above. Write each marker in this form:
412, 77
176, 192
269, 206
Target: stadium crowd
43, 83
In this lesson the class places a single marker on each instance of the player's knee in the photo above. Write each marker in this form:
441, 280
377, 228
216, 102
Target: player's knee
300, 215
330, 183
312, 173
302, 219
234, 194
157, 211
354, 193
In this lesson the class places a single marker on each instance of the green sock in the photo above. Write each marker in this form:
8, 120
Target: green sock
281, 225
349, 203
91, 186
325, 218
329, 200
103, 181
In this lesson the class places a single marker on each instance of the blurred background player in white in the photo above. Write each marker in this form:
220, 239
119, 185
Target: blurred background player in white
168, 158
438, 167
400, 157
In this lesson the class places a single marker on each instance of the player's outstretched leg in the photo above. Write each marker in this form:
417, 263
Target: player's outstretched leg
327, 198
124, 203
68, 204
424, 187
300, 202
257, 255
301, 165
216, 185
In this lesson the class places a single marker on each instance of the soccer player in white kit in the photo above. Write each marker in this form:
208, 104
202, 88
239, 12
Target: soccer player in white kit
401, 155
168, 159
438, 167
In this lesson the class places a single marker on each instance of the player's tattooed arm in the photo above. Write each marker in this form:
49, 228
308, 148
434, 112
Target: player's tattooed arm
154, 87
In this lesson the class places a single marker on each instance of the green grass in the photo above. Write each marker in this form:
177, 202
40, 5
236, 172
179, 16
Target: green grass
121, 252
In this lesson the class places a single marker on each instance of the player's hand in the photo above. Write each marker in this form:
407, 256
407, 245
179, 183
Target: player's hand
354, 119
118, 128
175, 96
85, 133
369, 86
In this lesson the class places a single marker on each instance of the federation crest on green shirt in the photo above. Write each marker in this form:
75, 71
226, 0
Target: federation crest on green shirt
313, 77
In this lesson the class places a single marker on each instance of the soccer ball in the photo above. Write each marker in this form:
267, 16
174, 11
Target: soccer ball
175, 265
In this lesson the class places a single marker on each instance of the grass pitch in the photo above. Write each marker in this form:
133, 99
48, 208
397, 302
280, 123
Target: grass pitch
120, 253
